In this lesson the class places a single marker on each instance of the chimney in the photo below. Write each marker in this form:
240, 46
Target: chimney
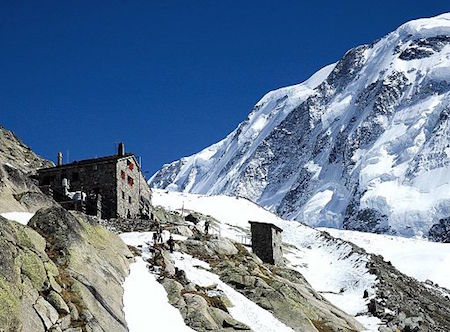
60, 159
121, 149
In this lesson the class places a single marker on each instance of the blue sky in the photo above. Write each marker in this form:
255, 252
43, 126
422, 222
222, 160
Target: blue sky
166, 77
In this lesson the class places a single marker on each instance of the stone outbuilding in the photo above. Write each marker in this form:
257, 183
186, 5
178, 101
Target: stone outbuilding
267, 242
113, 185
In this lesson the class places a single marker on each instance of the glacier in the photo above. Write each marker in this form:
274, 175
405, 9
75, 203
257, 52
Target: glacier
364, 144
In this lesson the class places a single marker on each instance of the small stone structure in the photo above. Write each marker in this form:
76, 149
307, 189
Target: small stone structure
114, 185
266, 242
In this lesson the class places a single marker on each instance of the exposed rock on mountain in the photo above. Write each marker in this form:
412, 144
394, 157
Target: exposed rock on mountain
441, 231
402, 302
63, 273
282, 291
19, 192
363, 144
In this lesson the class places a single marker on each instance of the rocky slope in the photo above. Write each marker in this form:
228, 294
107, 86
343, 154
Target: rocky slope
363, 144
63, 272
362, 284
279, 290
19, 192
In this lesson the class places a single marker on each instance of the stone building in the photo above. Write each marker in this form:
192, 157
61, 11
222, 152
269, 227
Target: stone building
114, 183
267, 242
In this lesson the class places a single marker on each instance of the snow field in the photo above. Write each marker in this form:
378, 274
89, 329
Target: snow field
21, 217
418, 258
146, 305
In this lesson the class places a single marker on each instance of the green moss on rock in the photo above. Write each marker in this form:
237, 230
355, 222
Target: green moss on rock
26, 237
33, 267
9, 306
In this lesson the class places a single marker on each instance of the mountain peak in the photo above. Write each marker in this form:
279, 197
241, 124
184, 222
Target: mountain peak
362, 144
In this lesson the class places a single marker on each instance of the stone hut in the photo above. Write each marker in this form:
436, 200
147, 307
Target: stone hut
114, 184
266, 242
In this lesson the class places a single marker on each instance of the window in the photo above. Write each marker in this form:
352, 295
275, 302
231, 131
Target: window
122, 175
75, 176
129, 199
130, 165
123, 194
46, 181
130, 180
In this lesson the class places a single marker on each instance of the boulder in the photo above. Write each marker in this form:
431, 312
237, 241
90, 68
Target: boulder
74, 315
173, 289
94, 261
64, 322
58, 303
198, 316
222, 246
182, 230
22, 276
45, 310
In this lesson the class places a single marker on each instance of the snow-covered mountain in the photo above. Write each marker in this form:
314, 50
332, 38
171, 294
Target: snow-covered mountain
363, 144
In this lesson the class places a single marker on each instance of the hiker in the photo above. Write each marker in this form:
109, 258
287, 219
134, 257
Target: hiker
160, 238
171, 243
155, 237
206, 227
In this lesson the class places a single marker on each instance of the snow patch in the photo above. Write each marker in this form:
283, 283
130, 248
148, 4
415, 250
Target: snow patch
21, 217
146, 306
417, 258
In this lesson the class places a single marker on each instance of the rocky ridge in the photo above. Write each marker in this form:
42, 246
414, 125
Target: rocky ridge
18, 190
401, 302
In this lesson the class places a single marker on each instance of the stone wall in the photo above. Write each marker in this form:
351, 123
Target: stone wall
96, 178
121, 193
261, 242
129, 195
277, 244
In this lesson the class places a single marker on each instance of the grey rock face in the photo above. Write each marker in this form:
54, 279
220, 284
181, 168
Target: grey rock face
424, 47
63, 272
18, 192
48, 314
413, 306
441, 232
58, 303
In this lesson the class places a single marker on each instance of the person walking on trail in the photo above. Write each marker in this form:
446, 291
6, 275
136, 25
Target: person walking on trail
171, 243
155, 237
160, 231
206, 227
